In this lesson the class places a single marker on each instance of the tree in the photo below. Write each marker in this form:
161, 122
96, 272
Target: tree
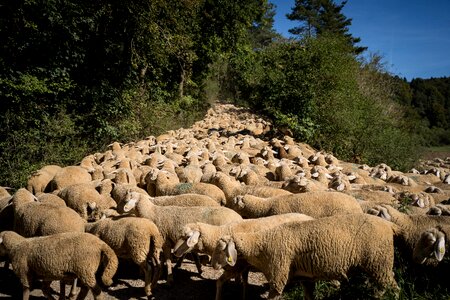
322, 16
262, 33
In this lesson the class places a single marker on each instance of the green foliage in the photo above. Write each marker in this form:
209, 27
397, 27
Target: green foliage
319, 17
80, 74
415, 282
328, 99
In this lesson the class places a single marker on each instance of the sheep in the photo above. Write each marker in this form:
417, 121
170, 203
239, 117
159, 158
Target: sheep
314, 204
51, 199
85, 200
300, 184
6, 210
310, 249
411, 226
439, 210
203, 238
184, 200
59, 257
38, 180
191, 173
431, 245
233, 188
135, 238
170, 220
120, 191
167, 184
68, 176
32, 218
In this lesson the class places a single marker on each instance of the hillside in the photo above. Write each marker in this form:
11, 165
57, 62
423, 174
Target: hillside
249, 149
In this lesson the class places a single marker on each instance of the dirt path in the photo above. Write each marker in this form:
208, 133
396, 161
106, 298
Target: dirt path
129, 285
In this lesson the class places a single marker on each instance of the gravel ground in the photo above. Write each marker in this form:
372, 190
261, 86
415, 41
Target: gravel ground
129, 285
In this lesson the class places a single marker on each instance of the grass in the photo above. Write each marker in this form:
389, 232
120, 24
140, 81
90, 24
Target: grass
433, 152
415, 281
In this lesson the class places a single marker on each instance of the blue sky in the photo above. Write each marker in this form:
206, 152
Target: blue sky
412, 36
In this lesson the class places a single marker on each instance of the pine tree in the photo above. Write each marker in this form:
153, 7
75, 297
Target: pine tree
322, 17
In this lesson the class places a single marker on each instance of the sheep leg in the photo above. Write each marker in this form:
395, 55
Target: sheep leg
197, 263
73, 290
166, 251
274, 295
62, 289
156, 273
26, 293
47, 290
308, 289
147, 269
179, 261
83, 292
245, 282
97, 291
227, 275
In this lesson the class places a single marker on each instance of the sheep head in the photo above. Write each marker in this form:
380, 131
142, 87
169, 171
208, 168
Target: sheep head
438, 210
131, 199
224, 254
381, 212
430, 245
187, 241
238, 202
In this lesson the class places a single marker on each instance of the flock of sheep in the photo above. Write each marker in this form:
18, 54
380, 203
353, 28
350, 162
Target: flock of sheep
238, 196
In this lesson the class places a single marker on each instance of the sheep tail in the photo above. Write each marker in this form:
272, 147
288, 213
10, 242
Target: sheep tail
110, 263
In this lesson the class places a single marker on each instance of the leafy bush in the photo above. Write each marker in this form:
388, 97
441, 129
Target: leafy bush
329, 99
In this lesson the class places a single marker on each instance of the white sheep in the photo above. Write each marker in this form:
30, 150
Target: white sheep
411, 226
314, 204
233, 188
202, 237
67, 176
59, 257
85, 200
300, 184
322, 249
431, 245
167, 184
134, 238
171, 219
6, 210
32, 218
185, 200
38, 180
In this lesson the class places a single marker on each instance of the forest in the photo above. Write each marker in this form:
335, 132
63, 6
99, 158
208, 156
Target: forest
77, 75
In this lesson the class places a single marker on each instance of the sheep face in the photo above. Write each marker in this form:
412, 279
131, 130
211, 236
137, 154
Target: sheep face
187, 242
224, 254
131, 199
430, 245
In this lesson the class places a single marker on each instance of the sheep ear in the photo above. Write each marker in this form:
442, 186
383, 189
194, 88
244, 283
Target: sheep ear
92, 205
328, 176
439, 248
340, 187
103, 216
420, 203
193, 239
231, 253
315, 174
384, 214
